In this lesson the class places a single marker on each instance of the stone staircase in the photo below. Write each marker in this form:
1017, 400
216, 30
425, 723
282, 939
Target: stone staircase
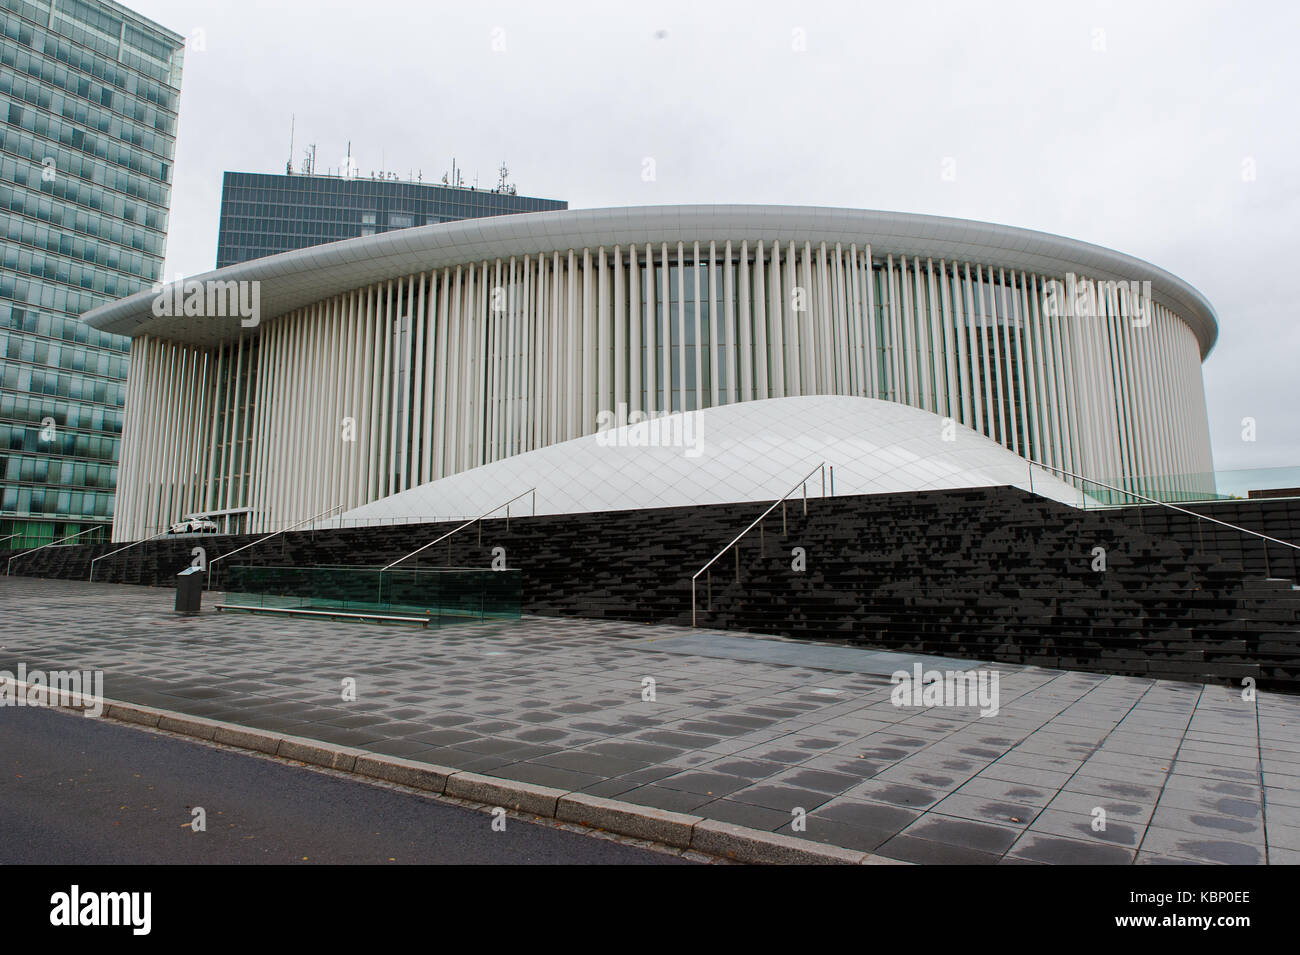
986, 573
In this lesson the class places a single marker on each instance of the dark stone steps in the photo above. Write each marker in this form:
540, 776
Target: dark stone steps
991, 573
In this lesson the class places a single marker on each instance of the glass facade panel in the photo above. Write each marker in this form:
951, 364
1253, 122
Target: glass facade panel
88, 99
265, 214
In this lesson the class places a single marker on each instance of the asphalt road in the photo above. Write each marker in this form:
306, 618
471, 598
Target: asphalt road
79, 791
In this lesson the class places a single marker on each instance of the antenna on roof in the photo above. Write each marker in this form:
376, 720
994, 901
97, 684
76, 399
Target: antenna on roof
504, 187
288, 166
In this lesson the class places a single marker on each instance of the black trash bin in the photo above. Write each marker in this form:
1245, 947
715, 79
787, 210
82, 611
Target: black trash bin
189, 590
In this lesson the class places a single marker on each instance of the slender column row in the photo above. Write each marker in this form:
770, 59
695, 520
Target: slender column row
422, 376
189, 434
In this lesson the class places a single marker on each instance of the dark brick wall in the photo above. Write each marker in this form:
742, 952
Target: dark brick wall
991, 573
1278, 518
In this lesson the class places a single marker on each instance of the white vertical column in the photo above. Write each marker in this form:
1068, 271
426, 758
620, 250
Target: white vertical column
682, 355
808, 344
729, 312
1014, 364
636, 318
620, 333
714, 325
761, 356
974, 321
745, 321
794, 328
857, 322
603, 344
897, 351
777, 305
666, 330
875, 385
573, 351
701, 399
964, 411
651, 333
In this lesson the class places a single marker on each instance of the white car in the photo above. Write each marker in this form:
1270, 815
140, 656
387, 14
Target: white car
194, 525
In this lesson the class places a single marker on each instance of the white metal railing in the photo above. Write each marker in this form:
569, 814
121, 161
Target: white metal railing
803, 482
260, 540
97, 527
1172, 507
472, 520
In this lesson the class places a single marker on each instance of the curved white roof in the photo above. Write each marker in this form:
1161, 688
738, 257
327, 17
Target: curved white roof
750, 451
292, 280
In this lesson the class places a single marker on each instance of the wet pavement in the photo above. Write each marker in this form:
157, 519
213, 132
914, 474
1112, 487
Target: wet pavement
778, 735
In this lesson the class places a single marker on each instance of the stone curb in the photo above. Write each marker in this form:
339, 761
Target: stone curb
751, 845
675, 829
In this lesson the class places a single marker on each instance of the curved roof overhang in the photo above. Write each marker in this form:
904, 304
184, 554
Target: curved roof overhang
291, 280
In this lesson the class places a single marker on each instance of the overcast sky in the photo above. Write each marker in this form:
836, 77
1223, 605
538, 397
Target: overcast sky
1165, 130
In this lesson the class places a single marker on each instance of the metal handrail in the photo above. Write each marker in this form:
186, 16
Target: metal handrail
97, 527
803, 482
120, 549
1172, 507
308, 520
472, 520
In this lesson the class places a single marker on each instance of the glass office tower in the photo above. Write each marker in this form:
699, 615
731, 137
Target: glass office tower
262, 214
88, 100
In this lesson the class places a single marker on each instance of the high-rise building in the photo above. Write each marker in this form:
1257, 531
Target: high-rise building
262, 214
88, 100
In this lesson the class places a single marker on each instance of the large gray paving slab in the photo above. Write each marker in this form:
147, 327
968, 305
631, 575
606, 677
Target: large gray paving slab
742, 730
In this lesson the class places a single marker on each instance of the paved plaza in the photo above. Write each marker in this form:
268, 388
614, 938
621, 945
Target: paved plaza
777, 735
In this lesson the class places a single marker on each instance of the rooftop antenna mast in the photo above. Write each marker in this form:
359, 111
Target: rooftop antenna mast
454, 179
503, 184
288, 166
